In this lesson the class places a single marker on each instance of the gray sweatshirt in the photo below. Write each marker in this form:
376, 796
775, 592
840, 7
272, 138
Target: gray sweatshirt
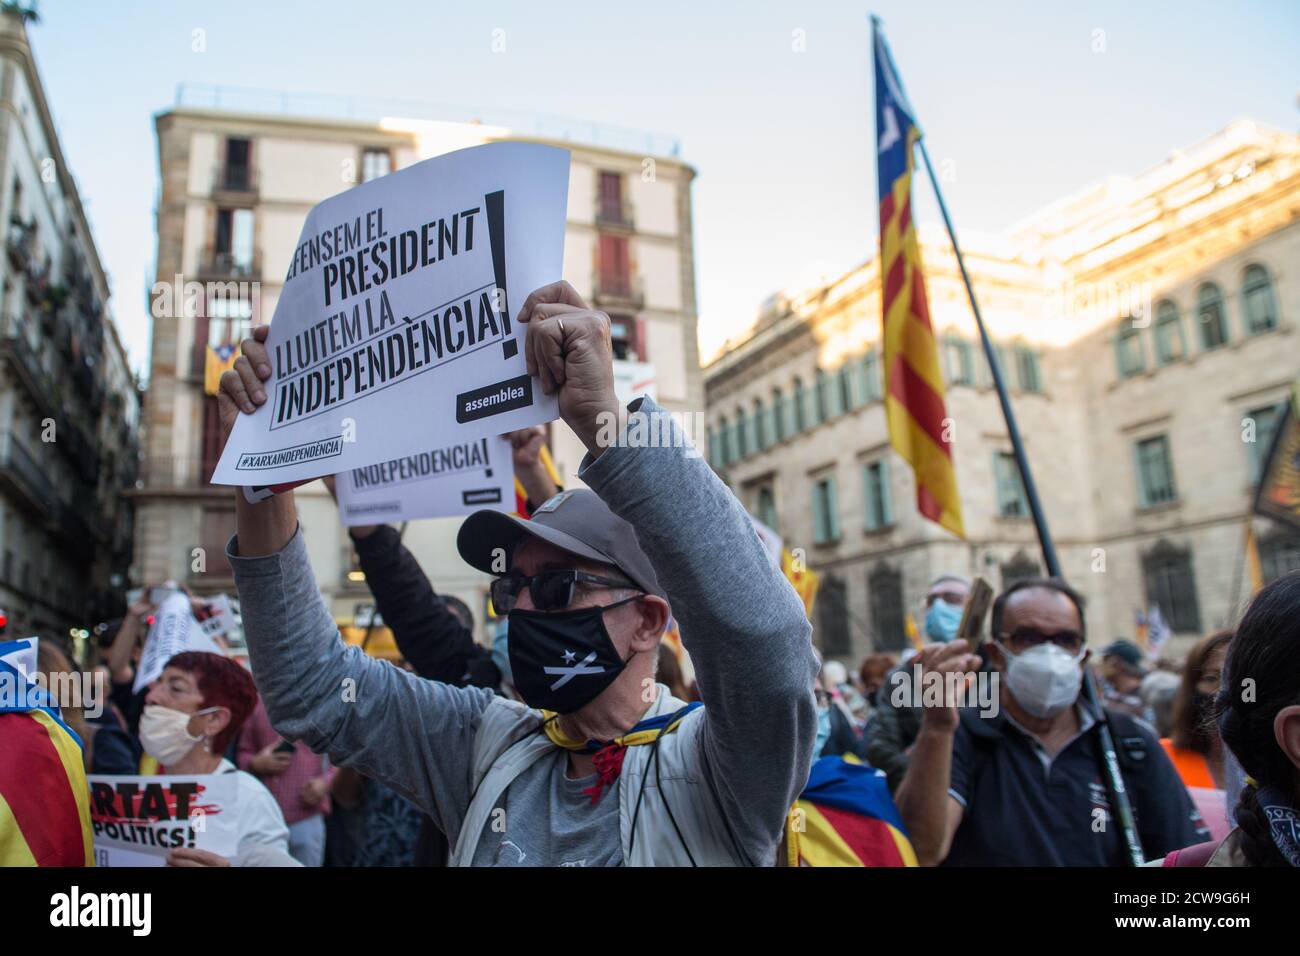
741, 620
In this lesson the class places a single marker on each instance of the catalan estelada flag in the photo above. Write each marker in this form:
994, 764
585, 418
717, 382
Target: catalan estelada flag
217, 360
44, 798
914, 396
846, 817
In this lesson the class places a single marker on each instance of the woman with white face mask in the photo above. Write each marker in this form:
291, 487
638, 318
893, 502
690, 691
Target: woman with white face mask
191, 714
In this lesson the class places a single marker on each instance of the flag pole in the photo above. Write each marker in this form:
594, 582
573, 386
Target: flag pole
1105, 740
1114, 778
1050, 560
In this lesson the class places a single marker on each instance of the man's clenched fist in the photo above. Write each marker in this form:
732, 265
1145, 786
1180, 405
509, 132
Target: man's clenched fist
568, 348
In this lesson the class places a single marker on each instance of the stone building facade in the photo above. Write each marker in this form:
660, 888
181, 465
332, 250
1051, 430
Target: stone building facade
1148, 328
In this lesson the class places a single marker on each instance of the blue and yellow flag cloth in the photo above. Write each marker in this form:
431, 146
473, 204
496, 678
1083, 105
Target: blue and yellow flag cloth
846, 817
219, 359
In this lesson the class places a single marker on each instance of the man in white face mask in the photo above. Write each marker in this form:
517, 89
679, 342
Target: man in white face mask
1024, 787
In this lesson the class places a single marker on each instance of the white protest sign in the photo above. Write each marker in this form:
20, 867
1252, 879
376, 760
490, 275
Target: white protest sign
137, 821
634, 379
174, 630
397, 327
220, 616
437, 483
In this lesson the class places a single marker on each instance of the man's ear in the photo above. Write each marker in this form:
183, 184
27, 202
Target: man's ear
654, 613
1286, 731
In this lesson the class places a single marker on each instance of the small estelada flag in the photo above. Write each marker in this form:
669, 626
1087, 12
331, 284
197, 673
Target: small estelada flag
1278, 495
219, 359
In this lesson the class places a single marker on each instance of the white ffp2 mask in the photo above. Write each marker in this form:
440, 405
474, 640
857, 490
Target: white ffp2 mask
1045, 679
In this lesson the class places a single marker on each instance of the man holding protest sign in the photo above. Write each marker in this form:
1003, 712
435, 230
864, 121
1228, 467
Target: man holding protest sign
565, 779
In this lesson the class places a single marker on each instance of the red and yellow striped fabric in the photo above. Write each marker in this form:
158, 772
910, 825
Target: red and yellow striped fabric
914, 392
846, 817
44, 799
521, 496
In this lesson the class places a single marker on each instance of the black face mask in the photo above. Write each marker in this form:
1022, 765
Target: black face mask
562, 660
1202, 707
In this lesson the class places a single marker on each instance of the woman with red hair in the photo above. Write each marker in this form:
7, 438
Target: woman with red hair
191, 714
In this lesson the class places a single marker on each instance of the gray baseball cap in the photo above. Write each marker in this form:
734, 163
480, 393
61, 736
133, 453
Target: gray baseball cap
576, 521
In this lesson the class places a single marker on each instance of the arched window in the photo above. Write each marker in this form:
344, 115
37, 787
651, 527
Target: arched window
778, 415
1129, 352
959, 360
800, 419
1020, 567
1258, 307
885, 599
822, 404
844, 382
833, 617
871, 376
760, 426
1027, 369
1211, 317
1169, 333
767, 506
1171, 586
725, 456
742, 433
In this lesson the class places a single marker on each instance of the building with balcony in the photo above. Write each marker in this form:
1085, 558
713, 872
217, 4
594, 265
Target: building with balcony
239, 172
69, 404
1149, 331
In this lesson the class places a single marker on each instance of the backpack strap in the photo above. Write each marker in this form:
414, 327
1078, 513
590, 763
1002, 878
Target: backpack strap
1198, 855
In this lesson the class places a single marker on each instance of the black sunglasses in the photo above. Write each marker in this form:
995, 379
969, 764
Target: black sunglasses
1025, 638
550, 590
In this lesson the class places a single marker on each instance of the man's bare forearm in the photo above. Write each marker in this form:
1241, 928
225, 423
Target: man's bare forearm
266, 527
119, 654
537, 483
922, 797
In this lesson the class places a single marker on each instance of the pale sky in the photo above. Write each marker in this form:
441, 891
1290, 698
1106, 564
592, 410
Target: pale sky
1016, 96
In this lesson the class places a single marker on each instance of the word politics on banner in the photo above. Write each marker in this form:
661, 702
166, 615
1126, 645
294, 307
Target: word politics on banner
174, 630
137, 821
438, 483
396, 330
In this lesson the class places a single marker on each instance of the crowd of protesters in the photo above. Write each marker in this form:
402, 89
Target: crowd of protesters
582, 737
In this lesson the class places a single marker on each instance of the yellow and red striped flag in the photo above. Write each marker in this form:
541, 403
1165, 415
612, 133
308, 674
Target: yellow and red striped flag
914, 393
521, 496
44, 798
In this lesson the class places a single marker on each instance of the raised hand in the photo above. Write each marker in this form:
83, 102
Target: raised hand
241, 387
568, 348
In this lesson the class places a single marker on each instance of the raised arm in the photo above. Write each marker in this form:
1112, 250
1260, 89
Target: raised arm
413, 734
931, 814
741, 620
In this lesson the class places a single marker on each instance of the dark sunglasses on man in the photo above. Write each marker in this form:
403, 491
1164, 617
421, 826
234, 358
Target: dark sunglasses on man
1024, 638
550, 590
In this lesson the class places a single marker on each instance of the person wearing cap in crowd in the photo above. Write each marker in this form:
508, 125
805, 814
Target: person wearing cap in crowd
1024, 786
893, 727
598, 765
1123, 666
